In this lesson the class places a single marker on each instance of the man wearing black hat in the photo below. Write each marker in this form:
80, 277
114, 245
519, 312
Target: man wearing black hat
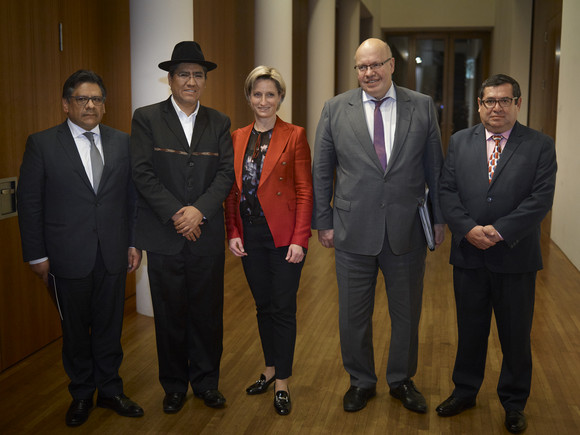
182, 159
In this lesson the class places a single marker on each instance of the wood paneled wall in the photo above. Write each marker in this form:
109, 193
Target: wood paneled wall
95, 36
225, 31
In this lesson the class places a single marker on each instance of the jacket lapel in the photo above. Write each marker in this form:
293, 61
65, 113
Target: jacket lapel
280, 137
172, 120
508, 151
201, 123
108, 156
404, 115
69, 147
240, 144
356, 118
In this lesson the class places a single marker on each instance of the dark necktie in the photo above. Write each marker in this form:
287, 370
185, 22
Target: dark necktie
494, 156
96, 161
379, 133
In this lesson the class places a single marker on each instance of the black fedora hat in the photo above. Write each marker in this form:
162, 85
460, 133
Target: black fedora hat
187, 52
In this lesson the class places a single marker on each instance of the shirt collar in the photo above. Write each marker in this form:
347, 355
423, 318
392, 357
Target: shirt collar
505, 134
390, 93
181, 113
77, 131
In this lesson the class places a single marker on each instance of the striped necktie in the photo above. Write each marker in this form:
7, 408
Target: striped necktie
492, 164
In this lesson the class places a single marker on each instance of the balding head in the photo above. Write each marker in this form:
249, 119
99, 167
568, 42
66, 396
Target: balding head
374, 55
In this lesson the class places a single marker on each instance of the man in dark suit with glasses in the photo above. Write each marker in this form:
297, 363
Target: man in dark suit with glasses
497, 185
76, 209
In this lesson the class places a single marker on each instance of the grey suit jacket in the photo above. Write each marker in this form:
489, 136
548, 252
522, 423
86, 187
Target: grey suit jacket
169, 174
516, 201
61, 217
367, 201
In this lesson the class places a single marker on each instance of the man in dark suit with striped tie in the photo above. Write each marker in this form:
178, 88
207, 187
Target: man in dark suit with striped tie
497, 185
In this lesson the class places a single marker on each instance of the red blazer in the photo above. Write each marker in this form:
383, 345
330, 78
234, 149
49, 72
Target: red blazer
285, 189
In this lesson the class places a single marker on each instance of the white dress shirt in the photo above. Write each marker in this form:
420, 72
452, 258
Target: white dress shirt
389, 113
187, 122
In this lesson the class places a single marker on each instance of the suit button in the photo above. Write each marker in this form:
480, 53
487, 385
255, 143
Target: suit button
190, 164
283, 163
489, 199
279, 193
382, 205
281, 178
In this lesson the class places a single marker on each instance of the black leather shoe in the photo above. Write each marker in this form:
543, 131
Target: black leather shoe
173, 402
356, 398
260, 386
515, 421
78, 412
453, 406
411, 398
282, 402
121, 404
212, 398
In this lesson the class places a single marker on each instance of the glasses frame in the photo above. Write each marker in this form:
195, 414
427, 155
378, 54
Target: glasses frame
82, 100
374, 66
504, 103
187, 76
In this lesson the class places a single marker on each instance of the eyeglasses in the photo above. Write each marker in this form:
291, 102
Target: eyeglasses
503, 102
374, 66
82, 101
185, 76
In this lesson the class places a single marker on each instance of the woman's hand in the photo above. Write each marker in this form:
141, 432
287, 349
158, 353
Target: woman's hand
237, 247
295, 254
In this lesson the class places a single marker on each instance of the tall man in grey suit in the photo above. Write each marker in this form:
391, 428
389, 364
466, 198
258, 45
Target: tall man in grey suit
76, 209
496, 187
383, 158
183, 168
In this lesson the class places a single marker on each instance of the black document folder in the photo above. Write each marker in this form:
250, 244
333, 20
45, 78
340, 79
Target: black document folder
426, 215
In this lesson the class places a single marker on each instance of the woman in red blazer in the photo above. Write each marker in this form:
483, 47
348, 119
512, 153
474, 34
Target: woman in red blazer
268, 213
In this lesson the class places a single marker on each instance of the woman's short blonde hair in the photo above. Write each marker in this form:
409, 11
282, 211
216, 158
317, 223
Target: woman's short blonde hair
268, 73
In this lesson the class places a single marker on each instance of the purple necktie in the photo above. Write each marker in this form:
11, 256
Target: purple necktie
494, 156
379, 133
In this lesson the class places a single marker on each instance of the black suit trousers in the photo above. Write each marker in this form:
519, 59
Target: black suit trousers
274, 284
511, 297
187, 292
92, 311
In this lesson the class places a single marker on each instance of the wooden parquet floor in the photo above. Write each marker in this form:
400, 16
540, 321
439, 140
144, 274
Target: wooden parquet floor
34, 396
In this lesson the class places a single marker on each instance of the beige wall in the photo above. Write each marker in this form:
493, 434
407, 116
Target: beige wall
437, 13
511, 45
566, 210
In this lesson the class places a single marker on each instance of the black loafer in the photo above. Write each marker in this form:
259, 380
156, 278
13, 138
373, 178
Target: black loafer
260, 386
173, 402
121, 404
515, 421
282, 402
212, 398
411, 398
78, 412
453, 406
356, 398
